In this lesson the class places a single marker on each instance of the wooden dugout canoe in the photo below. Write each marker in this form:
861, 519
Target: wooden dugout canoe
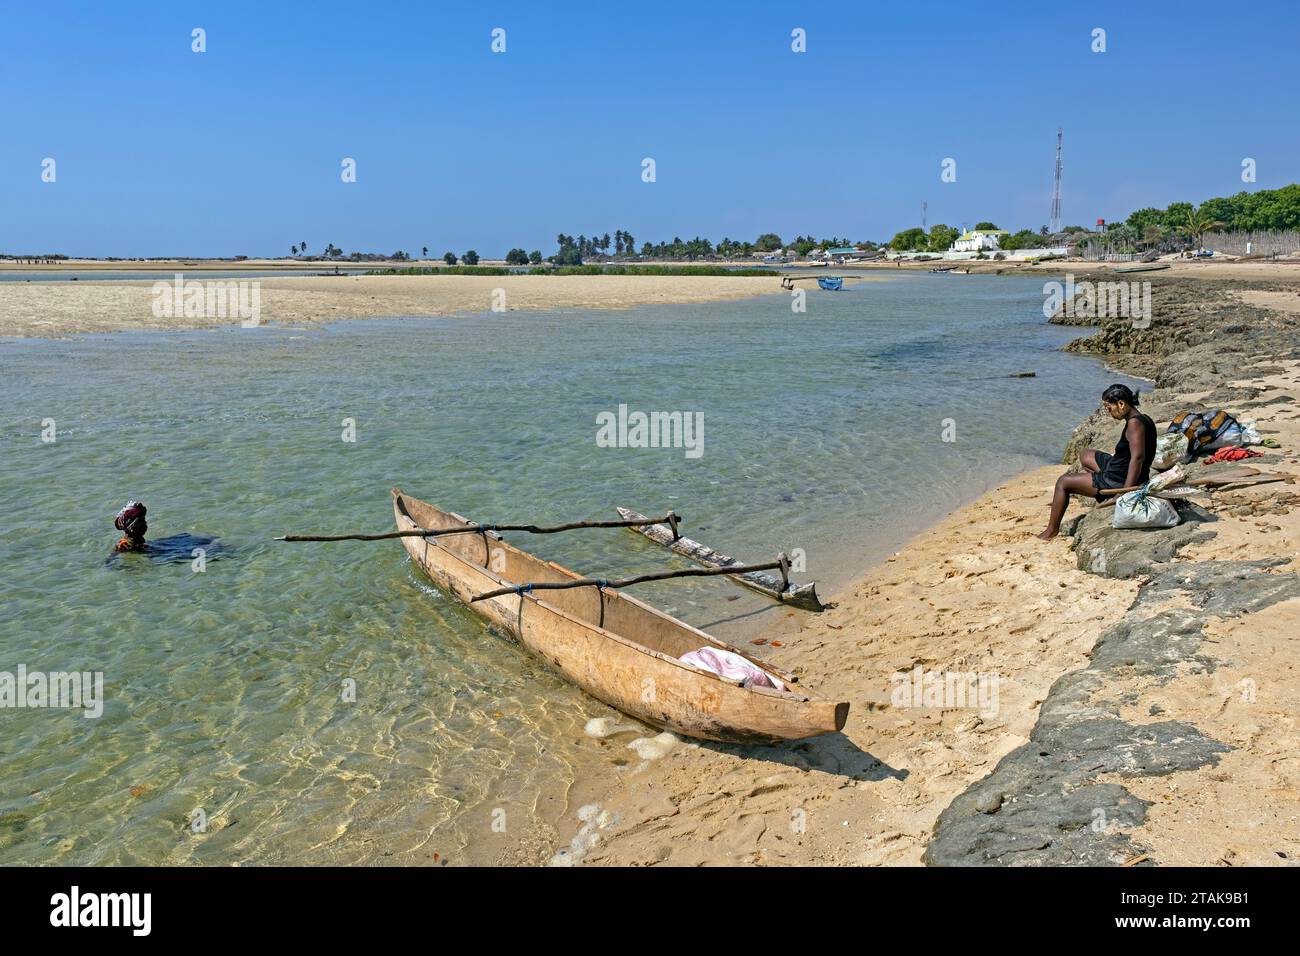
803, 596
630, 660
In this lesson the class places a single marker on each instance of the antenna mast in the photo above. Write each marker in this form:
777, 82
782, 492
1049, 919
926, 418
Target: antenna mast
1055, 227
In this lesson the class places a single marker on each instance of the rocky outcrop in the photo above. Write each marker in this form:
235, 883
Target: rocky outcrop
1103, 550
1043, 804
1200, 336
1060, 798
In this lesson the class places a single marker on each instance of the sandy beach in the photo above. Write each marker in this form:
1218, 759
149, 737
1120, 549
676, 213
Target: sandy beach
1145, 710
52, 309
1164, 748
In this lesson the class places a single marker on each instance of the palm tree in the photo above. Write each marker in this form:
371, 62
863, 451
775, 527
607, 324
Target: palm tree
303, 246
425, 252
293, 250
1198, 223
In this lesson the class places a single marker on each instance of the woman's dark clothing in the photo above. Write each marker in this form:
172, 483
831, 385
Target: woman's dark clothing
1112, 470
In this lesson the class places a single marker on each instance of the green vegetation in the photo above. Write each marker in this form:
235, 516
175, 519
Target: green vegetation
1024, 239
442, 271
651, 270
941, 237
910, 240
985, 227
1176, 227
575, 251
593, 269
1262, 210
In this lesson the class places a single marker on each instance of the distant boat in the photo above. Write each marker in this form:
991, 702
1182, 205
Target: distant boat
1154, 267
822, 264
831, 283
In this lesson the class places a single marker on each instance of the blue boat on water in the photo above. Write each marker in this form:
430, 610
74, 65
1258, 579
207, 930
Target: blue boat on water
831, 283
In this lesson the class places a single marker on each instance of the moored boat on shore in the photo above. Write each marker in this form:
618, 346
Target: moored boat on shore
614, 647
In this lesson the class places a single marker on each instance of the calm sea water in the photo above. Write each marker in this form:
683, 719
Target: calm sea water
98, 275
223, 687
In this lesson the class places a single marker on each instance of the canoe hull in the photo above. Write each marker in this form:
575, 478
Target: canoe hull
619, 666
802, 596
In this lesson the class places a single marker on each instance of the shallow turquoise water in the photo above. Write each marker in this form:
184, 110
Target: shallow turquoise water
822, 432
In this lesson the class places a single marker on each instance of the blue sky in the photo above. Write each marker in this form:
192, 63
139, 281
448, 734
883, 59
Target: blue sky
162, 151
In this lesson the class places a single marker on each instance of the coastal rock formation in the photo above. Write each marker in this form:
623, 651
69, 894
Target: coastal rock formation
1066, 796
1127, 553
1200, 335
1053, 807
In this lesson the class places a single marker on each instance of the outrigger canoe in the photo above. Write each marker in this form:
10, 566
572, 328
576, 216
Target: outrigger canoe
802, 596
617, 649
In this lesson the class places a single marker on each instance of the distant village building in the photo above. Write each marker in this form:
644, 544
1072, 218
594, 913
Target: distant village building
978, 240
837, 254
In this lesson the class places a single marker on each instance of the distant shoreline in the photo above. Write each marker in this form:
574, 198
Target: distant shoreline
1225, 268
59, 309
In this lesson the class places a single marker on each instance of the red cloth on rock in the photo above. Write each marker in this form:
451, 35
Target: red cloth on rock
1229, 453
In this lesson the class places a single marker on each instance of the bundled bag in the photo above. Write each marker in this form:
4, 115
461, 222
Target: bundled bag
1141, 509
1171, 450
1206, 430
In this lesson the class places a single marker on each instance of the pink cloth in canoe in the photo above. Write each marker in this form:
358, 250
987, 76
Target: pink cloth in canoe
731, 666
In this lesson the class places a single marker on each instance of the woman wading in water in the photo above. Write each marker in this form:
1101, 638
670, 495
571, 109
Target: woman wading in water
1128, 467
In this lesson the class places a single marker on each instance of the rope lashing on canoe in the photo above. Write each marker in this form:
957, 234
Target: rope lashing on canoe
477, 529
600, 584
627, 582
522, 589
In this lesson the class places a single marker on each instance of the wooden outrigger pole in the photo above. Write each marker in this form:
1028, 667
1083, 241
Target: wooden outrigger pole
802, 596
671, 518
782, 563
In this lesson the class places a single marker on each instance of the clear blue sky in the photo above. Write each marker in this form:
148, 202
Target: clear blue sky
237, 150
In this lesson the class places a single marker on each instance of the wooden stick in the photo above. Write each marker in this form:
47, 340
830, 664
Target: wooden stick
1216, 483
473, 529
802, 596
1235, 475
593, 582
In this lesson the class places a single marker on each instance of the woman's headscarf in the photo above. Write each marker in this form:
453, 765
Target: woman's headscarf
130, 520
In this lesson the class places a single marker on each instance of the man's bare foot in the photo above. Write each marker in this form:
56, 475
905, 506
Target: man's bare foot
1047, 534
